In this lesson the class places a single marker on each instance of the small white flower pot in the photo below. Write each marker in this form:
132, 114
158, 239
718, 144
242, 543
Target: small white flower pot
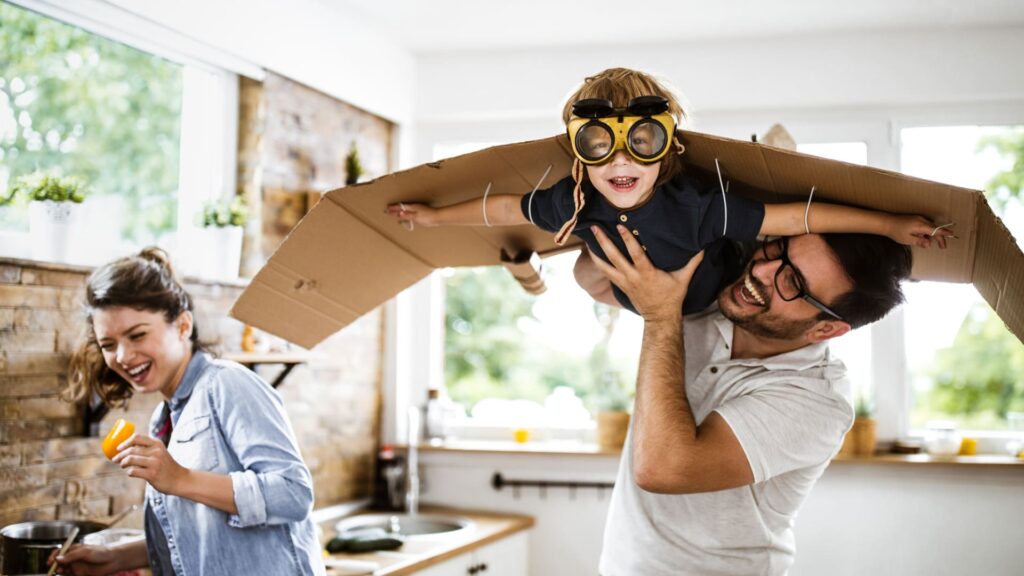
220, 251
52, 227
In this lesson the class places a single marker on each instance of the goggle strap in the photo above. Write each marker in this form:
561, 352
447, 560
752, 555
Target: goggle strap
725, 205
529, 203
807, 210
578, 202
484, 205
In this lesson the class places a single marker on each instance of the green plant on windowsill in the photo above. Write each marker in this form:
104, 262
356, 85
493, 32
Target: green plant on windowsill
224, 213
353, 166
42, 186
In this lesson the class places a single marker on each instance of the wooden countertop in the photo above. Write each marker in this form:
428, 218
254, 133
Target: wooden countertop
417, 554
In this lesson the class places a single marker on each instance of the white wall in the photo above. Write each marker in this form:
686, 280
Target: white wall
734, 86
860, 519
305, 40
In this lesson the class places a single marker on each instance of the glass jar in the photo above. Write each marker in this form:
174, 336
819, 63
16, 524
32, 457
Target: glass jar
942, 438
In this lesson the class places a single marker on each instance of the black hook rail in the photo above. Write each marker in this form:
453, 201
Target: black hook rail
498, 481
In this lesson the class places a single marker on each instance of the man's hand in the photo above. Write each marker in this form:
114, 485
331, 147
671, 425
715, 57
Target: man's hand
656, 294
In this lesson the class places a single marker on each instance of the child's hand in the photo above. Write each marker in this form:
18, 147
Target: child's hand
410, 215
918, 231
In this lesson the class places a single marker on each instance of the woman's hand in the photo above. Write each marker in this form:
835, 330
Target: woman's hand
918, 231
147, 458
410, 215
81, 560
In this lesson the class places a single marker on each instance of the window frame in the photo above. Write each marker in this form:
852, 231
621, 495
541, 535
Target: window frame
878, 128
208, 144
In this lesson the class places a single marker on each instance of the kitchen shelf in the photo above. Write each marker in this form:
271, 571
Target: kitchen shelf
289, 360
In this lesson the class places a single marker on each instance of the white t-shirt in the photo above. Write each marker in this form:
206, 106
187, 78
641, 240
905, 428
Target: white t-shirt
789, 413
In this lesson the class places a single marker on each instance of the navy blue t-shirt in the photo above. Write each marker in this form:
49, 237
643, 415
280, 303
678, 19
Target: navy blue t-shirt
681, 218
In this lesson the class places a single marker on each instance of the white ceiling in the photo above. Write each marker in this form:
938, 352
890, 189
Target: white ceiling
423, 26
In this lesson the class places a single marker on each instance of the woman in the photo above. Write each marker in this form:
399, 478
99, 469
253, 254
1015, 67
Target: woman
227, 491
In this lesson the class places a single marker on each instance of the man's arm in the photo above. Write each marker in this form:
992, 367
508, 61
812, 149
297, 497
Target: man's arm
672, 454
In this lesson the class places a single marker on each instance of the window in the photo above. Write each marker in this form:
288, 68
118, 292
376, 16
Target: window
854, 347
118, 118
964, 365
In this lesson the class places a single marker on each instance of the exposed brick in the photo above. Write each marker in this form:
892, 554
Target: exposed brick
23, 476
48, 408
21, 431
10, 455
49, 319
82, 467
41, 341
30, 296
59, 449
6, 318
90, 509
28, 514
97, 486
30, 363
61, 278
14, 386
10, 274
20, 498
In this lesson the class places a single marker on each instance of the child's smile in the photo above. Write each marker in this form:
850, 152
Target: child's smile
622, 181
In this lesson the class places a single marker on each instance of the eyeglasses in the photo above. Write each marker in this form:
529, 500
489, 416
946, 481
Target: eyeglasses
789, 282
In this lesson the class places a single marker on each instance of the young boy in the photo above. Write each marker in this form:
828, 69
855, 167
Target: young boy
621, 124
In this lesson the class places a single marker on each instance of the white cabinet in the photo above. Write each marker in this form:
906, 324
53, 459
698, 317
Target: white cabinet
507, 557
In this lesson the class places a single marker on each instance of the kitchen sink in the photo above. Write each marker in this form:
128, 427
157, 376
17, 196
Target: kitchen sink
406, 525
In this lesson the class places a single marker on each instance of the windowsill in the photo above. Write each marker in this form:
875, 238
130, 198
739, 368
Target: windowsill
540, 448
985, 460
556, 448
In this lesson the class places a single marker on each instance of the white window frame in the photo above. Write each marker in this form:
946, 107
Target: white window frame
209, 116
878, 128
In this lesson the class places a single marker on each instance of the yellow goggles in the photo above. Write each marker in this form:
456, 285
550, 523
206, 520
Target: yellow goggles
643, 128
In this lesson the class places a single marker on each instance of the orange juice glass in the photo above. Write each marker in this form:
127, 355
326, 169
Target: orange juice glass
121, 431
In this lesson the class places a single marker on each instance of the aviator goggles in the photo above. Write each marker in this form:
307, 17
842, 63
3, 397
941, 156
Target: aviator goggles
643, 128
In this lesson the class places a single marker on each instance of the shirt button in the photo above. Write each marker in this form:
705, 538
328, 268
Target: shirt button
623, 217
714, 369
636, 232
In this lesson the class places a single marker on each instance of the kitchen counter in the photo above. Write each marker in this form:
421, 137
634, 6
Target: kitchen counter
417, 554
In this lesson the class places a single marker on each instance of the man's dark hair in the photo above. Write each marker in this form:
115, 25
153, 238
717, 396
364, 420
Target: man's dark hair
876, 265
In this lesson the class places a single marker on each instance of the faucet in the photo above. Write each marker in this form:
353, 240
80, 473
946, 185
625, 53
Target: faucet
412, 485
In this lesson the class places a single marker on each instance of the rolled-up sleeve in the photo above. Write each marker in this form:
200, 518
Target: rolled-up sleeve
274, 485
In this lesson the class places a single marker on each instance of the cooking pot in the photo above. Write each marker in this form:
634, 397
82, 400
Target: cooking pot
27, 546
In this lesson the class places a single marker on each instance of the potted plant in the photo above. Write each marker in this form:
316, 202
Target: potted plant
611, 403
55, 211
610, 397
861, 440
353, 167
220, 234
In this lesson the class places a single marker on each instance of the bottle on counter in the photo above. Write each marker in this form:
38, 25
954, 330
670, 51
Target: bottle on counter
389, 485
434, 421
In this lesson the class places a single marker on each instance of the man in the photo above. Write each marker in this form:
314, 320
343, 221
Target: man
738, 410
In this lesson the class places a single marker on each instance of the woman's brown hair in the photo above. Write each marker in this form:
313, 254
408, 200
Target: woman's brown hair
144, 281
620, 85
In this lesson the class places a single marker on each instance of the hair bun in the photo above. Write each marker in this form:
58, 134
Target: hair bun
158, 256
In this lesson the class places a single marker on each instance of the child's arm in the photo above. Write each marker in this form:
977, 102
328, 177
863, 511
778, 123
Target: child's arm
502, 210
788, 220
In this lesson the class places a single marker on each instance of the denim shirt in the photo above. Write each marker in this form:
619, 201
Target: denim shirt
229, 421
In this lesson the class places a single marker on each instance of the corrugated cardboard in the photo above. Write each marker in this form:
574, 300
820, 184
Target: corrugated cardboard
347, 257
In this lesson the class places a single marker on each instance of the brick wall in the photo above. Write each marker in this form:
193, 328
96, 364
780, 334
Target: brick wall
49, 470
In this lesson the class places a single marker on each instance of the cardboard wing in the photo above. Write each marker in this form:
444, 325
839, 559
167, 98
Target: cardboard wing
346, 257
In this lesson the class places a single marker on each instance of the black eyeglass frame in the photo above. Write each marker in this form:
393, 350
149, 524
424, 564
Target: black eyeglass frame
801, 283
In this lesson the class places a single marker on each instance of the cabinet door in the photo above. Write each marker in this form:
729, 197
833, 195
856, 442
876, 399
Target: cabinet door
458, 566
506, 557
